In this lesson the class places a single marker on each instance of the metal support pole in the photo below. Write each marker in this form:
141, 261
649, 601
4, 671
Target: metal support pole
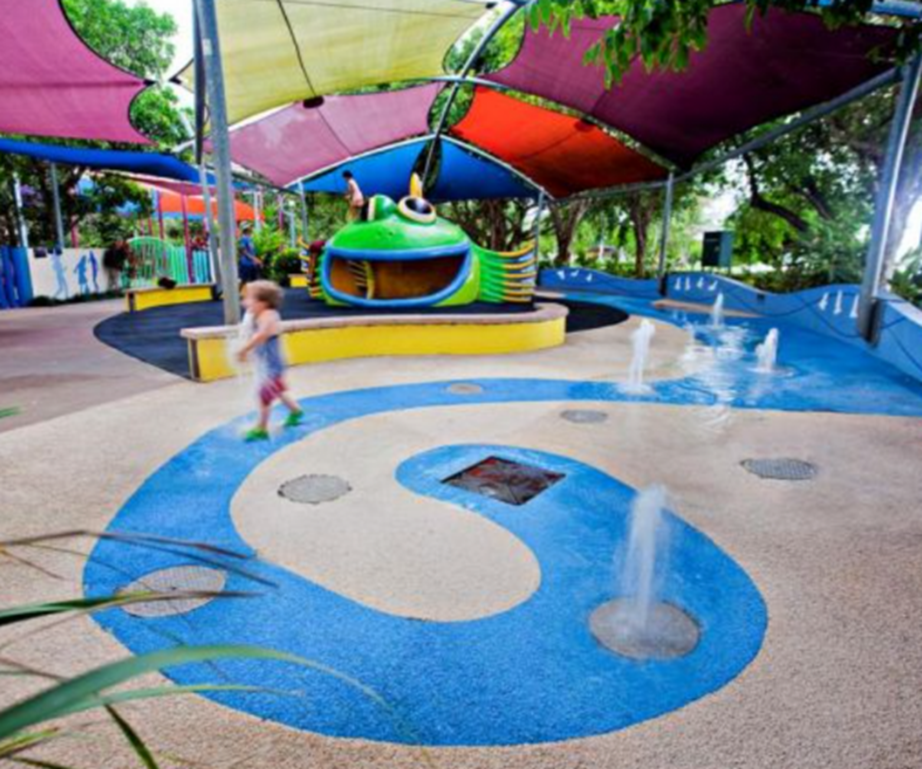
220, 142
58, 215
292, 232
158, 204
20, 216
213, 253
187, 238
875, 262
305, 218
258, 208
537, 225
497, 25
667, 225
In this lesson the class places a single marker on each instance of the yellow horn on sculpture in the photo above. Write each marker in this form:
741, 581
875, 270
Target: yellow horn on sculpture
416, 186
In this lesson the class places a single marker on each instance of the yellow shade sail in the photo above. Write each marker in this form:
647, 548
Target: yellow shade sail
276, 52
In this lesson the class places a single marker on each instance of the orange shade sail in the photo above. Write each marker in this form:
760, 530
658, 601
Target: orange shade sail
562, 154
171, 205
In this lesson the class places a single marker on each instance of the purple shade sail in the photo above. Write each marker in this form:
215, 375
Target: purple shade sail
743, 78
298, 141
53, 84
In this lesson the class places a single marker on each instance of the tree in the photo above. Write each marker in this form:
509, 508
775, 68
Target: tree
495, 224
663, 34
135, 38
565, 221
140, 40
809, 196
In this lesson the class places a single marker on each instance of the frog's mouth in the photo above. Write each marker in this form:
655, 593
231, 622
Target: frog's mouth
407, 278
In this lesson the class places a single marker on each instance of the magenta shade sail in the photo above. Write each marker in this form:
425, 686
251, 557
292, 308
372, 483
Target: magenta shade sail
298, 141
785, 63
53, 84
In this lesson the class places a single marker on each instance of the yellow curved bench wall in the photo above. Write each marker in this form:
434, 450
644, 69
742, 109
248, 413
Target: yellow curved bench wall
146, 298
208, 356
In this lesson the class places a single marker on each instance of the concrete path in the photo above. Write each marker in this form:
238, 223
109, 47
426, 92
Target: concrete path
51, 364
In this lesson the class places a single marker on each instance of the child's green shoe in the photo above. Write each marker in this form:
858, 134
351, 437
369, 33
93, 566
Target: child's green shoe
256, 434
294, 419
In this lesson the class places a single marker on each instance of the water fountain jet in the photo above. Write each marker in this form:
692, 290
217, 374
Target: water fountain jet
767, 353
640, 341
639, 625
717, 312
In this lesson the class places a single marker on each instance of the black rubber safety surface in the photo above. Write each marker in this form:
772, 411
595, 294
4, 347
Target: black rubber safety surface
153, 335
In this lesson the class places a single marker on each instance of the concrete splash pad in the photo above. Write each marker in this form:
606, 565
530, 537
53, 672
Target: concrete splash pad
563, 687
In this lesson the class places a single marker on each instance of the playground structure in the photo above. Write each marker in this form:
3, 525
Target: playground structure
405, 255
466, 567
154, 259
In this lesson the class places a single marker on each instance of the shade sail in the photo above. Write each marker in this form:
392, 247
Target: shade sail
180, 188
382, 173
52, 84
300, 140
151, 163
787, 62
171, 205
465, 175
281, 51
562, 154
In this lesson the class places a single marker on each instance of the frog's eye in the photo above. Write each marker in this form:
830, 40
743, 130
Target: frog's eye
379, 207
417, 209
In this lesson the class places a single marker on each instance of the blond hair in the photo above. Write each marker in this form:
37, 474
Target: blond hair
266, 291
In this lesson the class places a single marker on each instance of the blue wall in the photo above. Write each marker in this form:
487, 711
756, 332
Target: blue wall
830, 310
15, 280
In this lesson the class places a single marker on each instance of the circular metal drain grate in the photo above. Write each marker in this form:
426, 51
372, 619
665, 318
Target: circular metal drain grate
781, 469
177, 579
584, 416
669, 632
314, 489
465, 388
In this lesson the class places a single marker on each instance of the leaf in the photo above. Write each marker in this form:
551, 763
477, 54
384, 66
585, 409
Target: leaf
153, 542
120, 698
10, 412
39, 764
24, 741
36, 610
137, 744
72, 694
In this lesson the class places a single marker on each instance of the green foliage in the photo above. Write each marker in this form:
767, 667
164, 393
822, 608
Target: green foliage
268, 240
133, 37
23, 725
282, 264
140, 40
664, 34
907, 279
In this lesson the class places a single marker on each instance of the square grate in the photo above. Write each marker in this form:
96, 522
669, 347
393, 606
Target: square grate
502, 479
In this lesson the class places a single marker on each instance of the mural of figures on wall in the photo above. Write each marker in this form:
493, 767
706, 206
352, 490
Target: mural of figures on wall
57, 264
94, 271
80, 272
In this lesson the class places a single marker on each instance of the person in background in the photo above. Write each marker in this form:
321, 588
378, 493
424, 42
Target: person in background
354, 197
200, 241
116, 261
248, 263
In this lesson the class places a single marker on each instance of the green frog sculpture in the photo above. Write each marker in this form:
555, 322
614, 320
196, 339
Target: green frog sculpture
403, 255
